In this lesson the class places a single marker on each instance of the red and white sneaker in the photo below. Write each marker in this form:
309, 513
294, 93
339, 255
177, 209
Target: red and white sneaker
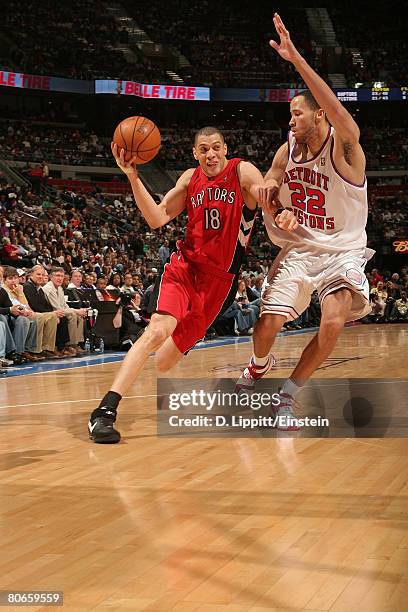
252, 373
284, 414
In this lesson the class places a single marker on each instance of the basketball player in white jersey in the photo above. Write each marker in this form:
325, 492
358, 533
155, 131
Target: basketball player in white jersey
320, 174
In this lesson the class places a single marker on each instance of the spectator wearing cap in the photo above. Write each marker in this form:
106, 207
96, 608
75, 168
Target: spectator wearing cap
75, 316
22, 275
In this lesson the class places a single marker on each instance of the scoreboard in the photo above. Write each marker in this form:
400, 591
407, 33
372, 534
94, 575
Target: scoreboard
372, 95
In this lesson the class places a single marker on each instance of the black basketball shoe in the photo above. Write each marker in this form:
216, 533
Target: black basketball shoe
100, 426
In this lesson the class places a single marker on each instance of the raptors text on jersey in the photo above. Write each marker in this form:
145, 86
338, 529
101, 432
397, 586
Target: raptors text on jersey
219, 223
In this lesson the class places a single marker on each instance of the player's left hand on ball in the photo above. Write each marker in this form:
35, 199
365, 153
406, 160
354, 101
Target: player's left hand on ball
286, 220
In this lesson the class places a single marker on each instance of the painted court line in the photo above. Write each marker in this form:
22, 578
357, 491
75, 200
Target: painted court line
113, 357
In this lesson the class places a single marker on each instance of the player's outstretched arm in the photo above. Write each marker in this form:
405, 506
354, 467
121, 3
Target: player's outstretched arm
263, 192
345, 126
173, 202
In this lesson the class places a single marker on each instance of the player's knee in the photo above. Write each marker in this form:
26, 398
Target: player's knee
156, 335
269, 324
162, 364
331, 328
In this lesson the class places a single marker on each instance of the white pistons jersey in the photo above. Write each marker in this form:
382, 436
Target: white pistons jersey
331, 211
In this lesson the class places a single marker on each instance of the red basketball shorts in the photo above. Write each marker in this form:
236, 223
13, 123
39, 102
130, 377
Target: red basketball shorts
194, 295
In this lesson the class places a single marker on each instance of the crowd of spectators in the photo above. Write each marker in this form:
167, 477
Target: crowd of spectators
29, 142
387, 220
79, 40
226, 46
382, 58
34, 142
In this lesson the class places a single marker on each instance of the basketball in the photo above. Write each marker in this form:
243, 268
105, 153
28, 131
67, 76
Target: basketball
139, 137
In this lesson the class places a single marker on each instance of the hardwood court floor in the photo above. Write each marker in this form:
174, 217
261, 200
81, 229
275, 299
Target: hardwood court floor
185, 524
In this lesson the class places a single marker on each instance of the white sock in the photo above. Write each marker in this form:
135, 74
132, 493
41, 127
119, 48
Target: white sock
260, 361
291, 388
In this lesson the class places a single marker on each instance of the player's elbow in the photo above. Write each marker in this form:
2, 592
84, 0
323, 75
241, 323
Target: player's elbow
346, 127
154, 224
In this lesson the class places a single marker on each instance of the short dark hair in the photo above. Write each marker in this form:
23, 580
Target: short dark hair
309, 99
57, 270
208, 131
9, 272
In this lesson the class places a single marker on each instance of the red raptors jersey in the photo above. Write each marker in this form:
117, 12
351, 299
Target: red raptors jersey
219, 223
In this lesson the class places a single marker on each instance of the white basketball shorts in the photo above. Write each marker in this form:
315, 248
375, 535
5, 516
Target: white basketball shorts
295, 274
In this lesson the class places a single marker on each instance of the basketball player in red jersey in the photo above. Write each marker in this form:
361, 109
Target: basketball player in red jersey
320, 174
220, 196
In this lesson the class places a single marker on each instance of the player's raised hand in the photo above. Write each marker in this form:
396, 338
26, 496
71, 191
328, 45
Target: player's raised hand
128, 167
285, 47
286, 220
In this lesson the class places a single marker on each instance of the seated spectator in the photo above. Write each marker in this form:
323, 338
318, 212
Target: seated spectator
252, 296
20, 325
10, 254
128, 283
88, 281
243, 301
37, 300
257, 288
314, 311
378, 298
129, 320
244, 319
46, 322
102, 293
400, 308
4, 328
375, 277
75, 316
75, 291
22, 275
115, 281
393, 293
89, 288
